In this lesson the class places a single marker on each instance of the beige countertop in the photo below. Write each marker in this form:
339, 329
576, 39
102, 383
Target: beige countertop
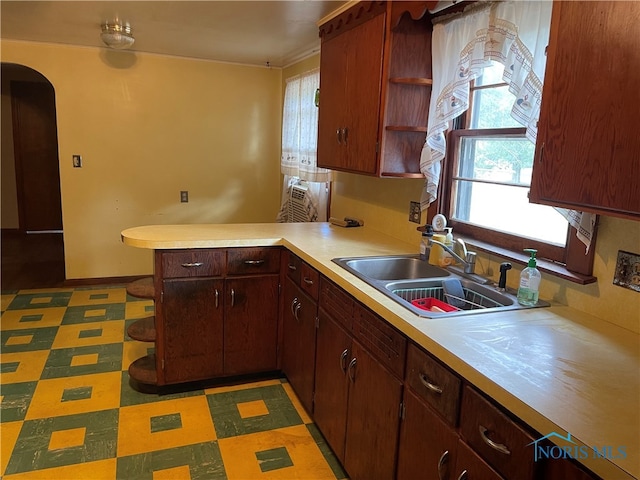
558, 369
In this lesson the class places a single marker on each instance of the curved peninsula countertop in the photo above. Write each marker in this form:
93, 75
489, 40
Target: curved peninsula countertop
557, 369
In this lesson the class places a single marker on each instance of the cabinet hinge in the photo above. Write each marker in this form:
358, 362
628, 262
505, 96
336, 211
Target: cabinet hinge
279, 289
163, 364
402, 411
317, 322
377, 147
162, 296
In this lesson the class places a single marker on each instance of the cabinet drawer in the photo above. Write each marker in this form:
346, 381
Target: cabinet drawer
310, 280
497, 438
192, 263
337, 303
381, 339
292, 265
434, 383
247, 261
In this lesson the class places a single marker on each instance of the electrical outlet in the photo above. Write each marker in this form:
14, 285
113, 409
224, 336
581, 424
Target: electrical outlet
415, 214
627, 272
184, 196
77, 161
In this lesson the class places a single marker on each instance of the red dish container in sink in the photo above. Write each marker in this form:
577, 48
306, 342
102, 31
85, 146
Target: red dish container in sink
433, 305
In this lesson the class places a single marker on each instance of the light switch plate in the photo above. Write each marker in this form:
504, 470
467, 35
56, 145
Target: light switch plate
627, 272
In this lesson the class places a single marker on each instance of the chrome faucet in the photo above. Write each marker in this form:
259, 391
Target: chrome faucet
469, 260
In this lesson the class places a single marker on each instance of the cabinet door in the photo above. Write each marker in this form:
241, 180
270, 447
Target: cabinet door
250, 324
469, 466
191, 330
332, 113
299, 342
350, 88
428, 446
373, 418
588, 145
333, 351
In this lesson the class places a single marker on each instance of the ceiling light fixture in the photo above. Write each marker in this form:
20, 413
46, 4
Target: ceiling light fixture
116, 35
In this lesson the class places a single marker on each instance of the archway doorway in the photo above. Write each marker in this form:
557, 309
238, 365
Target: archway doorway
32, 240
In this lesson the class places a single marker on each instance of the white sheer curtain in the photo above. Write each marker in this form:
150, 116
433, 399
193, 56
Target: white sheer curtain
513, 33
300, 141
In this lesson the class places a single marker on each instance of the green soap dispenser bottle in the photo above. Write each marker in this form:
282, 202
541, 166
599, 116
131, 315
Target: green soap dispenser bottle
529, 281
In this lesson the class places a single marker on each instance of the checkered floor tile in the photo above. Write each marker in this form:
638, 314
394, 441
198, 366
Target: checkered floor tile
68, 412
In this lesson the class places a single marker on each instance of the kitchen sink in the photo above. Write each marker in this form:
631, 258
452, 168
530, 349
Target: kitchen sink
420, 287
400, 267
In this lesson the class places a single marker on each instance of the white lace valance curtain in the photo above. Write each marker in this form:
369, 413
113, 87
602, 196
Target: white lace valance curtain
513, 33
300, 129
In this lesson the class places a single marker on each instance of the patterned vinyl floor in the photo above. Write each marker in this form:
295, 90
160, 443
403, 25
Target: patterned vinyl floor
68, 411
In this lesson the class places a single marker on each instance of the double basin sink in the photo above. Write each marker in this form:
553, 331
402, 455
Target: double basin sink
426, 289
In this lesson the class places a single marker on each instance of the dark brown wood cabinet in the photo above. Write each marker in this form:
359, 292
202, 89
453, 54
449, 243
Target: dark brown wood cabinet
375, 84
216, 313
192, 330
357, 397
299, 315
251, 324
588, 148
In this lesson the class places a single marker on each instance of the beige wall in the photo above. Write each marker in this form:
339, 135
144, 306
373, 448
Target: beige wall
147, 127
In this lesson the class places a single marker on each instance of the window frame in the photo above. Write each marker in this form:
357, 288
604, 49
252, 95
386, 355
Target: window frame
569, 262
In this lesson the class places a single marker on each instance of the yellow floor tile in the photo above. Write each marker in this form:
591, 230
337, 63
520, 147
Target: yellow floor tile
138, 309
134, 429
5, 300
50, 317
174, 473
97, 296
71, 437
48, 398
252, 409
8, 436
87, 359
30, 366
100, 470
83, 334
296, 403
241, 462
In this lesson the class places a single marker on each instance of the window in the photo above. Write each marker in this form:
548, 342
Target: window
489, 170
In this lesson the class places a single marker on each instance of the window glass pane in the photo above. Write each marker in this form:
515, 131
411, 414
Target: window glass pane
492, 108
507, 209
491, 75
496, 159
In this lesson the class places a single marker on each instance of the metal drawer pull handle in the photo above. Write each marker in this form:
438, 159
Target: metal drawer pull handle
352, 367
444, 458
233, 297
338, 136
308, 281
343, 360
192, 265
496, 446
295, 313
463, 475
434, 388
293, 304
253, 262
217, 298
292, 267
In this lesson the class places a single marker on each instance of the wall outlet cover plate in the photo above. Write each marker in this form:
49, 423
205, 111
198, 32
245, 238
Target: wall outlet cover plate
627, 273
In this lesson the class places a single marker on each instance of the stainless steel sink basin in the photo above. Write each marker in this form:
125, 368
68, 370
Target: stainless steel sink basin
390, 268
418, 286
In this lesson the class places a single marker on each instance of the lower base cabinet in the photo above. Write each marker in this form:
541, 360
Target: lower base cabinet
191, 335
357, 403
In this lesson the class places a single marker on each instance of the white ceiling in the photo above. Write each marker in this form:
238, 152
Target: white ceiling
248, 32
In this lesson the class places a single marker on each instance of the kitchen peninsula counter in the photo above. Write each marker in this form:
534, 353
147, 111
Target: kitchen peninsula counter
557, 369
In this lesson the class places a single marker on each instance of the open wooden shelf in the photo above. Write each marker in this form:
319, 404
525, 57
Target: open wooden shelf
143, 330
143, 370
142, 288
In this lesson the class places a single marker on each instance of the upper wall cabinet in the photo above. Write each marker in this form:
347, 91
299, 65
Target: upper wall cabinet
375, 86
588, 147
